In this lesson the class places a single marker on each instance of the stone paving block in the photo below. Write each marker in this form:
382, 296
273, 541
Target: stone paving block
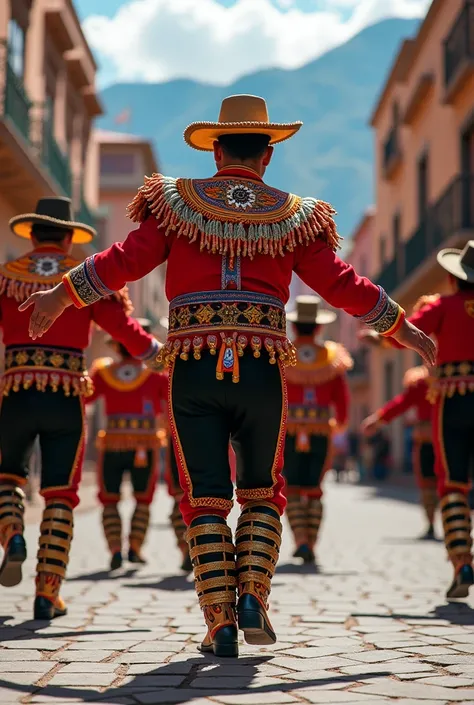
319, 695
395, 689
157, 657
376, 655
25, 667
19, 655
74, 656
36, 644
254, 699
151, 681
153, 646
395, 667
77, 680
168, 697
449, 681
84, 667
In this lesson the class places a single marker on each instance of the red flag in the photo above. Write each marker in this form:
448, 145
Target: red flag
124, 117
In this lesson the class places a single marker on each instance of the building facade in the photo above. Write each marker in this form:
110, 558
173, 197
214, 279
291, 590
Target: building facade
48, 102
424, 150
123, 161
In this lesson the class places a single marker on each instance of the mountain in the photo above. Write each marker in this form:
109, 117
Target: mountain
330, 158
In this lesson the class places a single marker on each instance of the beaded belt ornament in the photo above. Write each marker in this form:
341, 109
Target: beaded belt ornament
451, 378
306, 421
228, 322
130, 423
44, 367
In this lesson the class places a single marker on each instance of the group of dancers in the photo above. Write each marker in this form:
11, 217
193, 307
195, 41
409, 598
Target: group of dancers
227, 373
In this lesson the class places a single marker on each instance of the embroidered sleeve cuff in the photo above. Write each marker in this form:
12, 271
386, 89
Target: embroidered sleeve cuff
150, 356
83, 284
386, 317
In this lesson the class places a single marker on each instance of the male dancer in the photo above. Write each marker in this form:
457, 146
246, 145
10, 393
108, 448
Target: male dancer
318, 401
414, 396
231, 242
451, 319
43, 390
135, 399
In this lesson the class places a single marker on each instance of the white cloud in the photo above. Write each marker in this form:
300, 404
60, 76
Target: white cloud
157, 40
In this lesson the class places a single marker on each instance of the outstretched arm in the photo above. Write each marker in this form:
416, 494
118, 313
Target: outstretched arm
391, 410
338, 283
100, 275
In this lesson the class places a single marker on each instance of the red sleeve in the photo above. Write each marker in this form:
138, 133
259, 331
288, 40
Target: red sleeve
335, 280
109, 315
109, 271
341, 399
398, 405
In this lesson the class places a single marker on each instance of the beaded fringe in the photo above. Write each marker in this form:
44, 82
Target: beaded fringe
76, 386
160, 197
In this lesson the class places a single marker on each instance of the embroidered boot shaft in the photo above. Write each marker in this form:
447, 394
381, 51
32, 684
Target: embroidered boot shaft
314, 513
258, 541
179, 528
213, 558
295, 511
56, 533
456, 516
138, 531
112, 523
12, 510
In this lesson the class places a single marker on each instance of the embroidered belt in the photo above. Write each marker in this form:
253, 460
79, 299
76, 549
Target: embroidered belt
228, 321
45, 367
306, 421
118, 423
451, 378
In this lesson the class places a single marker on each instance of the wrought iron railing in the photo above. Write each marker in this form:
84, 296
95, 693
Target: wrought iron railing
391, 148
459, 44
450, 214
16, 104
55, 160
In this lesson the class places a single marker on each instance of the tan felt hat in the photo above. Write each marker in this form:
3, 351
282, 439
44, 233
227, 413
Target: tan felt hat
460, 263
240, 114
308, 311
55, 212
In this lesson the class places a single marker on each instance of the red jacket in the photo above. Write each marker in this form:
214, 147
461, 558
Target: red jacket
415, 395
42, 269
318, 394
135, 401
211, 245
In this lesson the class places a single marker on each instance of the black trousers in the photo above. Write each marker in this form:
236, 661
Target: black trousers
305, 471
206, 413
454, 441
424, 464
58, 422
112, 467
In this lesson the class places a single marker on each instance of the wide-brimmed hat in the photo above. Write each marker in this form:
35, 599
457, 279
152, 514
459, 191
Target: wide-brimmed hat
55, 212
460, 263
145, 323
308, 311
240, 114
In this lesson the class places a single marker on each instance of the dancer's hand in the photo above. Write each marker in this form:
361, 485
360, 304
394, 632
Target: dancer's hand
48, 306
413, 338
370, 425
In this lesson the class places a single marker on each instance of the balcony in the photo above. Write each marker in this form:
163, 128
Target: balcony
359, 374
55, 160
16, 103
459, 52
449, 222
392, 154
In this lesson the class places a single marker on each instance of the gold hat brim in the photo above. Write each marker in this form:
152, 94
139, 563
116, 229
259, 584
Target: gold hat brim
202, 135
322, 318
21, 225
450, 260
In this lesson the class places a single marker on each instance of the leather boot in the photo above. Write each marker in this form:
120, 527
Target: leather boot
456, 516
296, 513
12, 510
314, 514
213, 558
112, 524
429, 500
258, 540
138, 531
179, 528
56, 533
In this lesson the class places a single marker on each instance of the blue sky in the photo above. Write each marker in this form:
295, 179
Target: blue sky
218, 41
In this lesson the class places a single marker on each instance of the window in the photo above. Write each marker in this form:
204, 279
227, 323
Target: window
16, 47
117, 164
396, 234
422, 187
388, 380
383, 250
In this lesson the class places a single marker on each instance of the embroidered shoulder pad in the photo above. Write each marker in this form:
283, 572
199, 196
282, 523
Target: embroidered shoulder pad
317, 364
35, 271
234, 216
415, 375
425, 300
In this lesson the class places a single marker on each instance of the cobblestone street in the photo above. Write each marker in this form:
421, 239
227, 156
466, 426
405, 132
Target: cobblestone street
371, 627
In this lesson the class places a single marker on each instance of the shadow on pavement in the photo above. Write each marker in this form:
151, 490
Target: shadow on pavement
104, 575
298, 569
171, 583
401, 493
177, 677
454, 612
403, 541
